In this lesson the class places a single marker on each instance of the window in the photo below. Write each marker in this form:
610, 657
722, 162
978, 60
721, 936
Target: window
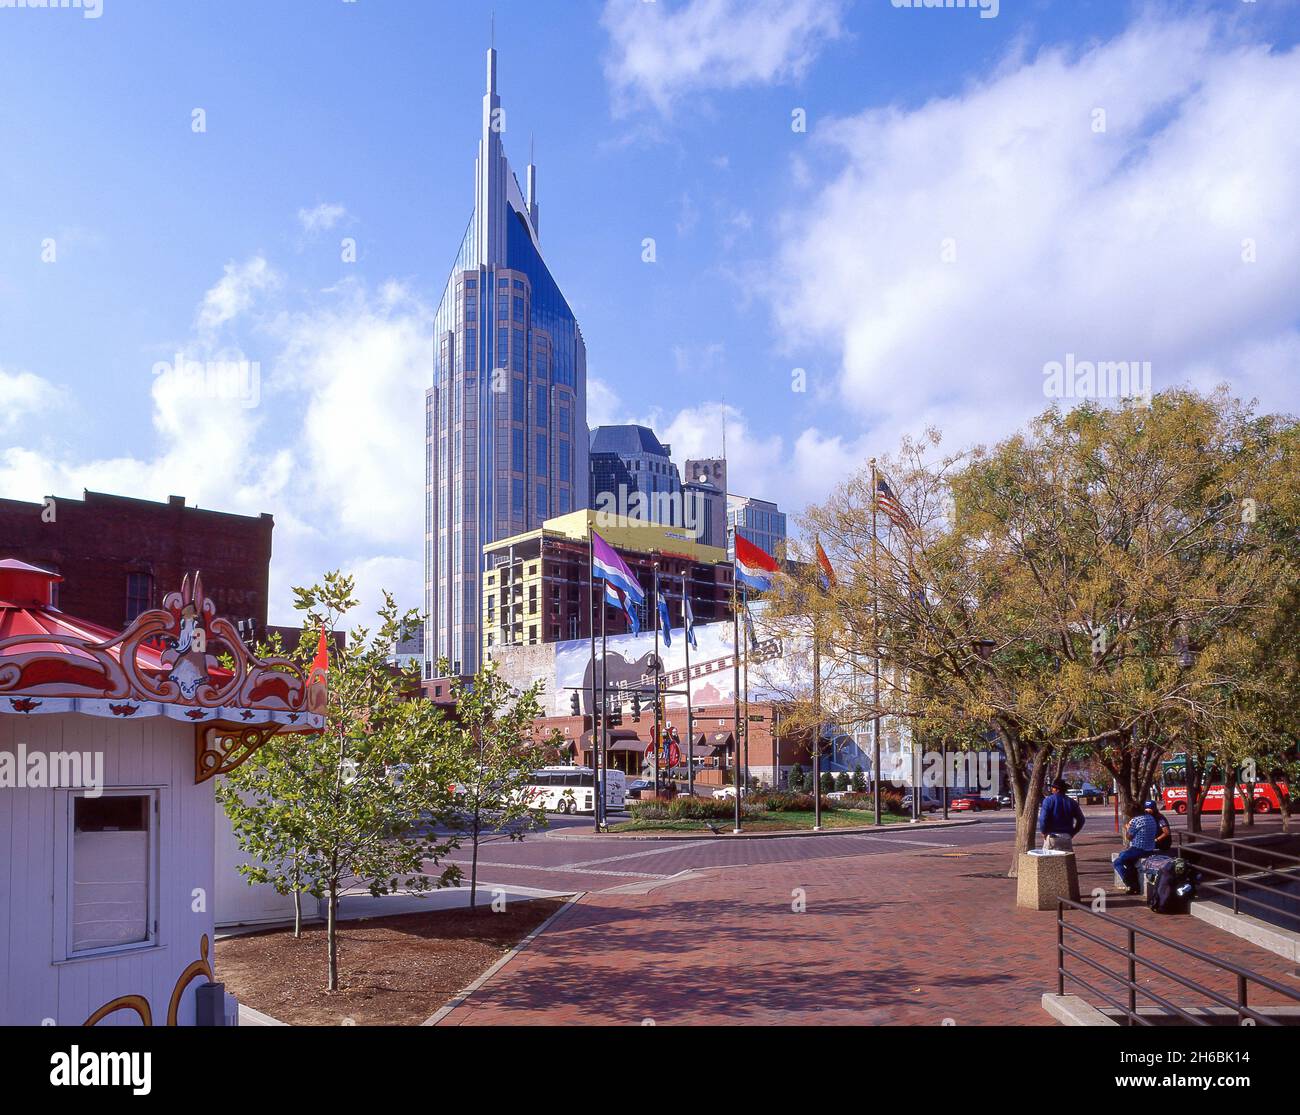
541, 454
563, 452
519, 284
518, 309
111, 871
139, 594
517, 460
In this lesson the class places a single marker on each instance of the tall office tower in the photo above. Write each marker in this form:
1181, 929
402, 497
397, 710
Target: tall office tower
506, 419
633, 476
704, 491
760, 521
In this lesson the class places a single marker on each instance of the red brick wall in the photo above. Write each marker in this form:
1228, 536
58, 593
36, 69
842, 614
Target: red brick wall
94, 543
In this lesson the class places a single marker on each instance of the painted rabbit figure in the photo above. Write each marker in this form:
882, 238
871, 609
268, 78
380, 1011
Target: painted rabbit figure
189, 658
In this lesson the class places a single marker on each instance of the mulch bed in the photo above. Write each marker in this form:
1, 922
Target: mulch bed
393, 971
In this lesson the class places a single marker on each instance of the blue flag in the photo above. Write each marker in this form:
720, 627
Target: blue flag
688, 622
665, 624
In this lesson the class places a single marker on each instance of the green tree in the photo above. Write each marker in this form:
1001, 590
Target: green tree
796, 778
492, 732
859, 780
1086, 585
827, 782
361, 800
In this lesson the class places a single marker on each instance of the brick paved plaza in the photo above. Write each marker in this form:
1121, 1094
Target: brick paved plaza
915, 935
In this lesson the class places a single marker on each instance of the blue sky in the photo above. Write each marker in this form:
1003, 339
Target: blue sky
775, 249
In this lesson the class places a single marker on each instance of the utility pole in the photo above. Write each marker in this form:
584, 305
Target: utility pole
875, 641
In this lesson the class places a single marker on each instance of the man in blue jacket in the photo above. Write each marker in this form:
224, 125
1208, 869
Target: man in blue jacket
1060, 819
1142, 832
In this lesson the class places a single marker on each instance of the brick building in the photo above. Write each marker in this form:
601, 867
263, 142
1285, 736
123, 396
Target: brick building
120, 556
536, 587
772, 752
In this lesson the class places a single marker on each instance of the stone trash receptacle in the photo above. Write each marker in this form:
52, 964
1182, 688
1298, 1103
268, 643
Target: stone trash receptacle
1043, 877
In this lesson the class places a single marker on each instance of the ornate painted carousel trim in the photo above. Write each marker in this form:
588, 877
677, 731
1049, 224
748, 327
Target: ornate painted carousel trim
220, 748
140, 1004
188, 627
200, 967
137, 1003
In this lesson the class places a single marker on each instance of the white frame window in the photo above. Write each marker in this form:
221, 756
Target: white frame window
111, 877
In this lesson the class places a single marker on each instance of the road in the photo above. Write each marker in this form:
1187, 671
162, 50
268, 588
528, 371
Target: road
568, 857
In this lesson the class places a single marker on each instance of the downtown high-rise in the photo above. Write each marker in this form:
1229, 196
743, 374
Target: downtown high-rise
506, 438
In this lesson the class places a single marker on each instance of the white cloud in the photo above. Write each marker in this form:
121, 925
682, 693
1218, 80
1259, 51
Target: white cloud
331, 448
321, 217
23, 395
235, 292
1119, 245
363, 364
660, 53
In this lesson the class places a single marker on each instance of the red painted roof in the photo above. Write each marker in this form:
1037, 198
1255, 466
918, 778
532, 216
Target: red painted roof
25, 611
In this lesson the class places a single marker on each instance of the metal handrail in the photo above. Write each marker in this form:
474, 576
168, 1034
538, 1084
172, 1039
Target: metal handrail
1193, 838
1244, 975
1191, 843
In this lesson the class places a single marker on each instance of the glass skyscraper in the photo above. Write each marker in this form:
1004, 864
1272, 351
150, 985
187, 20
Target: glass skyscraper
506, 438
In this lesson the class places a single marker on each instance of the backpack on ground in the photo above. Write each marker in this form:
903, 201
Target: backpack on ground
1170, 884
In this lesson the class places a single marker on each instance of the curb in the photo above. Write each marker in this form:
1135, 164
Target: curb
927, 826
249, 1016
464, 993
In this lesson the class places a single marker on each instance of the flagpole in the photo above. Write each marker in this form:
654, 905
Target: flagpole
817, 727
658, 737
748, 621
875, 641
735, 663
591, 624
604, 720
687, 631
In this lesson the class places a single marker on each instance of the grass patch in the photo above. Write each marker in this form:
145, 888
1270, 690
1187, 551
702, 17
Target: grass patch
770, 822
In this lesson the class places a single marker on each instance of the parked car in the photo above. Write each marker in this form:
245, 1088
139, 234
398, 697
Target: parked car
1087, 794
635, 787
928, 804
729, 792
969, 803
1006, 800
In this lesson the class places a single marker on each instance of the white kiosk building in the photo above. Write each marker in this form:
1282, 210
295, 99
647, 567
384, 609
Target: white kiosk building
109, 742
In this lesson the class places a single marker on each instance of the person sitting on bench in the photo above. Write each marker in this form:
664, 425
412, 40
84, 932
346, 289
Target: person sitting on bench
1141, 832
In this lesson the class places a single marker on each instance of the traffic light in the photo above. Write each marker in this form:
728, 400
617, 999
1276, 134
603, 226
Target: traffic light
616, 716
636, 708
574, 704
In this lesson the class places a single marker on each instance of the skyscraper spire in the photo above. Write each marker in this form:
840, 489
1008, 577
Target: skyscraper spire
506, 443
532, 189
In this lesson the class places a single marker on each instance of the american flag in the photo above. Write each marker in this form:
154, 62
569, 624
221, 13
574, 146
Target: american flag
887, 502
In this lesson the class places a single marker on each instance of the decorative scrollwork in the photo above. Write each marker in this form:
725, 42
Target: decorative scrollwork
220, 748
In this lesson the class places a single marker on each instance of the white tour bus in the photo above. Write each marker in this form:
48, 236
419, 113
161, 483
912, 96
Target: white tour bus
570, 789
